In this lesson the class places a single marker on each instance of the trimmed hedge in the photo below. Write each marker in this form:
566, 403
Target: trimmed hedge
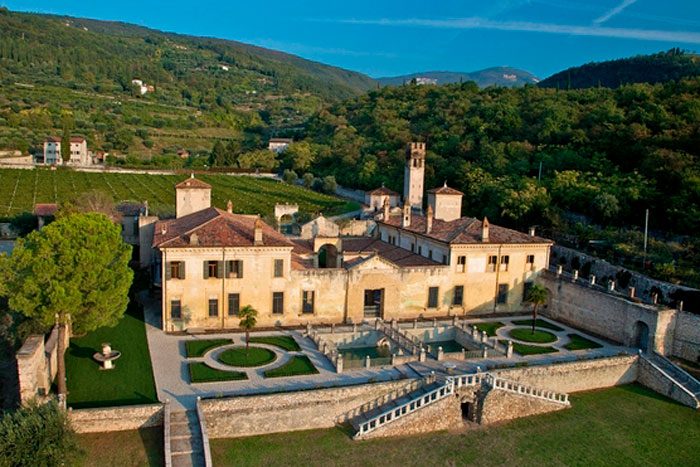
197, 348
238, 356
203, 373
298, 365
287, 343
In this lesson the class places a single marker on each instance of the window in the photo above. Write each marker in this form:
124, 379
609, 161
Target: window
526, 290
277, 303
213, 307
530, 263
175, 270
505, 259
430, 254
461, 264
413, 247
444, 258
234, 269
234, 304
502, 294
492, 264
279, 268
307, 301
433, 297
213, 269
420, 250
175, 309
458, 297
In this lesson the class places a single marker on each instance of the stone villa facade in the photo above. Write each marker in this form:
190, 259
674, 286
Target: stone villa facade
210, 262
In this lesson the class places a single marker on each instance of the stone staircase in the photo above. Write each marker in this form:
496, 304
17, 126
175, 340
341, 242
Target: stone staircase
514, 387
186, 446
675, 374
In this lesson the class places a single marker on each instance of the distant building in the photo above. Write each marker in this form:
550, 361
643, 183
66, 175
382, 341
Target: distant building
279, 145
52, 151
376, 198
45, 212
142, 87
78, 151
183, 153
423, 81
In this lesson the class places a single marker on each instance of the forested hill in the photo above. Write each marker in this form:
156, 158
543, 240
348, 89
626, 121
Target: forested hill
105, 56
657, 68
498, 76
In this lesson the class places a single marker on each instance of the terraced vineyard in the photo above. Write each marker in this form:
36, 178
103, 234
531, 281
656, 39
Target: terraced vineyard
21, 189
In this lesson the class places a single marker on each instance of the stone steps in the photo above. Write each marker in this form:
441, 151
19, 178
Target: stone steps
186, 446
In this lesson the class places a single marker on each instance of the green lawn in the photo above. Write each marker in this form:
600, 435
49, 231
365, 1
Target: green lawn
490, 328
254, 356
525, 349
203, 373
130, 382
20, 189
298, 365
142, 447
579, 343
284, 342
623, 426
540, 323
527, 335
197, 348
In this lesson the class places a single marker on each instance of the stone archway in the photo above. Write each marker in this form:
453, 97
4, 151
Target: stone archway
641, 336
328, 256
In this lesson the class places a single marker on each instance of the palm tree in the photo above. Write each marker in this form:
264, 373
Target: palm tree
248, 319
537, 295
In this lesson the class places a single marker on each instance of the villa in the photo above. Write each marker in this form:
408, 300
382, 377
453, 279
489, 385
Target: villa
210, 262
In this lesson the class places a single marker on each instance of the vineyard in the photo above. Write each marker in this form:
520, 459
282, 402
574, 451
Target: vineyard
21, 189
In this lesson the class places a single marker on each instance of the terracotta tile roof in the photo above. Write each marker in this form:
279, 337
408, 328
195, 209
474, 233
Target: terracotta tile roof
213, 227
445, 190
192, 183
77, 139
382, 191
392, 253
45, 209
53, 139
465, 230
281, 140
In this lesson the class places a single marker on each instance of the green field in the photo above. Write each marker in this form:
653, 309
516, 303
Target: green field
21, 189
142, 447
627, 425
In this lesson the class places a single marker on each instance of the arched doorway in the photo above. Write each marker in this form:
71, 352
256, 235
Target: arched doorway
641, 336
328, 256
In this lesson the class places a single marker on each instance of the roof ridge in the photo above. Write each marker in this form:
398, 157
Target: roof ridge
198, 226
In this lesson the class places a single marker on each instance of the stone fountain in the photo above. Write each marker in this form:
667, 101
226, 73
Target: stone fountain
107, 356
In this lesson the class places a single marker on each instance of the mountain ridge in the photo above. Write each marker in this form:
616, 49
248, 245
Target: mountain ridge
498, 76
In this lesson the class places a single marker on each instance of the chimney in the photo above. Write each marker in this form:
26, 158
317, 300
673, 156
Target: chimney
386, 209
429, 219
258, 238
145, 208
406, 220
485, 230
531, 232
229, 207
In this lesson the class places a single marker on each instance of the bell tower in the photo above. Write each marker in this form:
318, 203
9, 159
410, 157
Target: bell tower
413, 175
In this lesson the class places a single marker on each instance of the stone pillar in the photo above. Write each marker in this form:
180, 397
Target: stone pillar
325, 347
654, 298
680, 305
368, 362
308, 329
394, 325
393, 359
354, 328
415, 323
376, 324
434, 322
632, 292
484, 352
421, 357
332, 328
475, 333
339, 363
484, 337
509, 350
592, 279
575, 274
440, 353
560, 270
611, 286
454, 320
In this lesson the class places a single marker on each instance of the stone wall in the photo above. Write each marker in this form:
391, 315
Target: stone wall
653, 378
576, 376
444, 414
500, 406
124, 418
686, 337
37, 364
234, 417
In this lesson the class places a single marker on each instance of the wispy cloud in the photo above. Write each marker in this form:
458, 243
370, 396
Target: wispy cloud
613, 11
306, 49
686, 37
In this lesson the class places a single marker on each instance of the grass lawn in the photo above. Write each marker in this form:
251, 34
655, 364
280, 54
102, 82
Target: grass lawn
203, 373
197, 348
526, 334
130, 382
606, 427
284, 342
298, 365
490, 328
524, 349
124, 448
580, 343
540, 323
238, 356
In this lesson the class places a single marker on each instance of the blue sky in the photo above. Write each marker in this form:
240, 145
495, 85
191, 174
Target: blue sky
391, 37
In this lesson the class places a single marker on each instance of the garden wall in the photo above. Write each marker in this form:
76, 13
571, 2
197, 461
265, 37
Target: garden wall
116, 418
576, 376
686, 337
37, 364
234, 417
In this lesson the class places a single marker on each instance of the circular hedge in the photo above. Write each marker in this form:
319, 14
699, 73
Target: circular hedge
237, 356
538, 337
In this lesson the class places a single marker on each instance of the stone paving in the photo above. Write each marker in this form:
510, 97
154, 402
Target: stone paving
170, 364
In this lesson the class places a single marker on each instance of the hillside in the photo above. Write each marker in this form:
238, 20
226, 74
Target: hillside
202, 89
496, 76
657, 68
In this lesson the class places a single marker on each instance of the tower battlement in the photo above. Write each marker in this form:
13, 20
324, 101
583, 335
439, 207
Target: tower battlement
414, 173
